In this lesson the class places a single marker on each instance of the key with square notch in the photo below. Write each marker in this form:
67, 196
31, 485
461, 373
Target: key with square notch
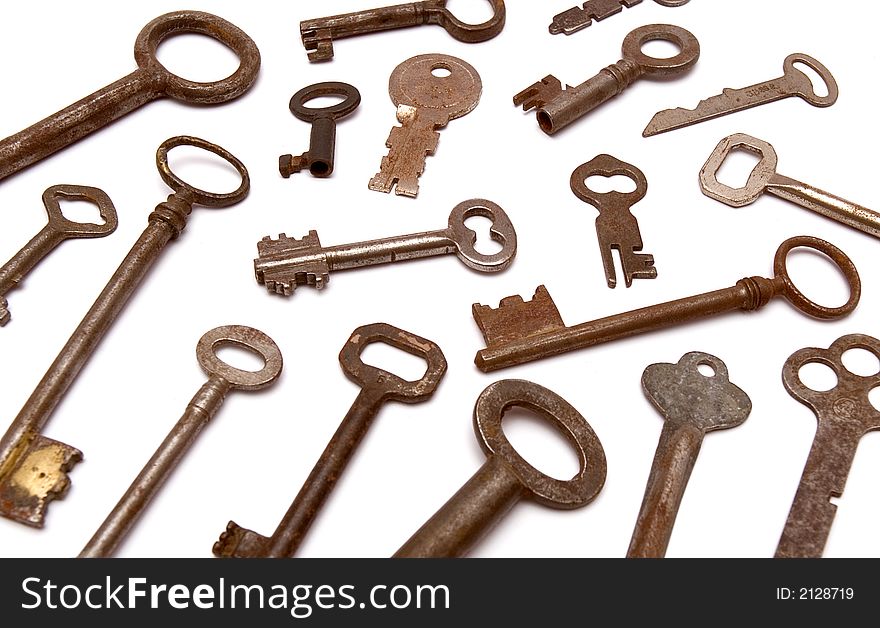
425, 102
285, 263
578, 18
222, 378
506, 477
844, 414
518, 332
318, 34
54, 233
377, 387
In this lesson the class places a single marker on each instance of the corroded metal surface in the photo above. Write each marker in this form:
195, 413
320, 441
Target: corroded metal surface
578, 18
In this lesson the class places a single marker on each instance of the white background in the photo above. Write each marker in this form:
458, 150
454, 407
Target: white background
251, 461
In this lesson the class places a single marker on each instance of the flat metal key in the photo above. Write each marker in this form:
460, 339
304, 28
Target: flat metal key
792, 83
33, 468
222, 378
518, 332
377, 387
506, 477
150, 81
318, 34
286, 263
428, 90
616, 227
692, 403
845, 414
764, 178
54, 233
578, 18
558, 107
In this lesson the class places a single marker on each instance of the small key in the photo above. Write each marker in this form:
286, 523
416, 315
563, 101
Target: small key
845, 414
322, 147
616, 227
506, 477
318, 34
691, 404
222, 378
557, 108
578, 18
377, 387
792, 83
518, 332
765, 179
150, 81
285, 263
426, 101
54, 233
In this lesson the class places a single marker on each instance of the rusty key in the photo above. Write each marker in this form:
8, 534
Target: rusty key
506, 478
150, 81
377, 387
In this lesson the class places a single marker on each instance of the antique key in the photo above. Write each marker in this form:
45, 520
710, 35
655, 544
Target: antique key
506, 477
377, 387
616, 227
792, 83
33, 468
518, 332
764, 178
578, 18
322, 147
222, 378
150, 81
845, 414
285, 263
54, 233
557, 107
318, 35
428, 90
691, 404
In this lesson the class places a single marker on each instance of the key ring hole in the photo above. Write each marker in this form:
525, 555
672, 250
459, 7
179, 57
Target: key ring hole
239, 338
861, 361
408, 366
239, 356
818, 376
85, 202
814, 74
661, 48
603, 184
549, 449
501, 231
662, 67
197, 195
331, 98
441, 70
706, 369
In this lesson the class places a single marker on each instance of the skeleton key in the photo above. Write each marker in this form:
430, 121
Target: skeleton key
285, 263
377, 387
425, 102
150, 81
792, 83
506, 477
765, 179
845, 414
691, 404
616, 227
54, 233
33, 468
518, 332
318, 35
222, 378
578, 18
557, 107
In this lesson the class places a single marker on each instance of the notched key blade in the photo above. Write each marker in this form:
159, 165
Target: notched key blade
515, 318
577, 18
285, 263
238, 542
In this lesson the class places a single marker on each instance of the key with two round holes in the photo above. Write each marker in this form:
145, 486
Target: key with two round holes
764, 178
150, 81
506, 477
222, 378
286, 263
54, 233
377, 387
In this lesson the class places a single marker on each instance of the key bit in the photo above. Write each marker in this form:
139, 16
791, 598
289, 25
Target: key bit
578, 18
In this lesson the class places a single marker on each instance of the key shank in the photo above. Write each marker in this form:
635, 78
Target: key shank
375, 20
29, 256
388, 250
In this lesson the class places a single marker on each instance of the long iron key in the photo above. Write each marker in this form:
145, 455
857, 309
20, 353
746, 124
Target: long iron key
845, 414
506, 478
33, 468
692, 403
616, 227
377, 387
428, 90
222, 378
764, 178
318, 34
54, 233
518, 332
578, 18
792, 83
285, 263
150, 81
